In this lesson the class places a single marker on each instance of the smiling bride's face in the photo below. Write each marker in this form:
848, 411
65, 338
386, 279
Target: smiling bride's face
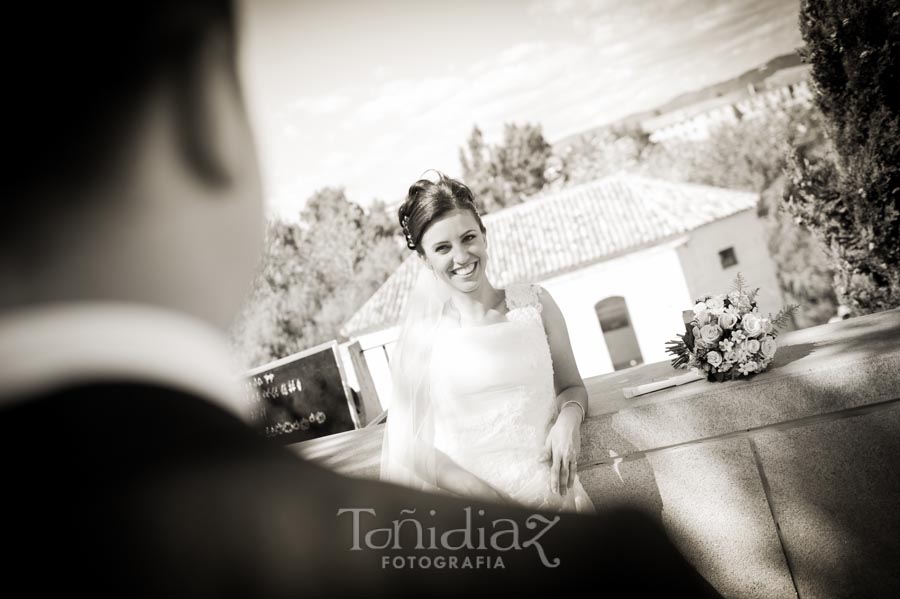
455, 249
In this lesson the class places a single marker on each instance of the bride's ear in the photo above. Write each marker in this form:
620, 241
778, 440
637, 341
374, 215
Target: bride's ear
425, 262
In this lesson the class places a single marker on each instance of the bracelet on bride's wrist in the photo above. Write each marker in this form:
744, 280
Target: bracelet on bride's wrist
580, 407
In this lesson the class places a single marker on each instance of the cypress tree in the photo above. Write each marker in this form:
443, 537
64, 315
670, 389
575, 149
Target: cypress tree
850, 197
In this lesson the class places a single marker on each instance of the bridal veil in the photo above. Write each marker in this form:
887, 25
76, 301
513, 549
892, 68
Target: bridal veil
408, 451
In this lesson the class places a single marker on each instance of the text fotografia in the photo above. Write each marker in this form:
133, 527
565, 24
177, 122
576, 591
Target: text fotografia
501, 534
424, 562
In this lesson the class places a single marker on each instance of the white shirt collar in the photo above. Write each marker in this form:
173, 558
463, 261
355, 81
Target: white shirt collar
47, 347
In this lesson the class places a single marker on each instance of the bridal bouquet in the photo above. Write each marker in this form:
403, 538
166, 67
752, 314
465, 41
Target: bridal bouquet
726, 337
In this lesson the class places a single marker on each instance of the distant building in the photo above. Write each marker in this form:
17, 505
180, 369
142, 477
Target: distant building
699, 120
622, 256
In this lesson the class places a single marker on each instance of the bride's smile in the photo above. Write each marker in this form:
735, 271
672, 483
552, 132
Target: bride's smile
455, 249
466, 270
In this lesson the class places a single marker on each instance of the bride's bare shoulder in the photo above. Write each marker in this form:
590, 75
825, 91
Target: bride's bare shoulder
549, 309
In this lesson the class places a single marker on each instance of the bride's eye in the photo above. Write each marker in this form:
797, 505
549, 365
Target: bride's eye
469, 237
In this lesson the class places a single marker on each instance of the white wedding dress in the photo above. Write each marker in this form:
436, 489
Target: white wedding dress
494, 402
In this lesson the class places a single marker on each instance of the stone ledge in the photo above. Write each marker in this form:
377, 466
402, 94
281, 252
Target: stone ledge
820, 370
354, 453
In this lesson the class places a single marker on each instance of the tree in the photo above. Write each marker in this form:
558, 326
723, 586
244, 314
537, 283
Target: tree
601, 153
315, 274
851, 197
505, 174
265, 328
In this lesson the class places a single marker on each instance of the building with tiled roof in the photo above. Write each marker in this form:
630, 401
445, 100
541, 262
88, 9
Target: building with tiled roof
622, 257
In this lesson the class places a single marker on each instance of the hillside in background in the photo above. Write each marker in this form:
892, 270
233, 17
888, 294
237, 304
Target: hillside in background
779, 71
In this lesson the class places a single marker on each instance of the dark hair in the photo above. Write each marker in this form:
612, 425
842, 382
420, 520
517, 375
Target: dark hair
77, 72
428, 201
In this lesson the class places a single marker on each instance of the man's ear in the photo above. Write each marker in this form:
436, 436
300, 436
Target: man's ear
213, 132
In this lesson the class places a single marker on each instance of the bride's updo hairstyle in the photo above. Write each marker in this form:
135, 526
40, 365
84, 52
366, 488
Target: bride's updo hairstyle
427, 201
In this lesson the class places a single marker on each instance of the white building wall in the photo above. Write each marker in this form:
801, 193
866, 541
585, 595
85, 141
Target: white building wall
377, 348
654, 288
746, 233
657, 284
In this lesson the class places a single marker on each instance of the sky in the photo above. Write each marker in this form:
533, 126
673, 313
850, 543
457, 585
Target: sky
367, 95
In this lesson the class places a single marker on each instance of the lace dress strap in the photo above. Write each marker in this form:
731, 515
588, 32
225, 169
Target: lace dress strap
524, 302
522, 295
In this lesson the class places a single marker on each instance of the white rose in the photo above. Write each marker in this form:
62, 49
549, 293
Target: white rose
752, 325
767, 325
751, 345
710, 333
714, 358
703, 317
716, 302
727, 320
699, 307
768, 347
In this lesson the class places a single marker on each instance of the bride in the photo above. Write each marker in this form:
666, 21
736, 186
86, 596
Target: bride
488, 400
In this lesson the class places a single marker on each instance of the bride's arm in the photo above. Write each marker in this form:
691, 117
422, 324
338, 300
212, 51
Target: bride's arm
569, 388
567, 379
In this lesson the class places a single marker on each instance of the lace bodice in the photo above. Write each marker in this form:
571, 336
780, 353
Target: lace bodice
494, 400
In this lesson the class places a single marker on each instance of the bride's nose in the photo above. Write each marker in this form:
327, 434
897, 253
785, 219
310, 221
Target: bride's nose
461, 256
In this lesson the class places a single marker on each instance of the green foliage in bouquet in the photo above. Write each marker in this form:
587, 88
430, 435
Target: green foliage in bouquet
726, 337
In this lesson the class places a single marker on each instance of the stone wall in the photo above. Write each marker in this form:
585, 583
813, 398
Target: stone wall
786, 484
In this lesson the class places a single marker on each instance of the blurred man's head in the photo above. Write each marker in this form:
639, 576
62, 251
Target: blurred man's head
133, 174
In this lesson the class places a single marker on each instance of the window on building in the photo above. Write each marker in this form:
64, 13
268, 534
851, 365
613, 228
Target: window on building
727, 257
618, 332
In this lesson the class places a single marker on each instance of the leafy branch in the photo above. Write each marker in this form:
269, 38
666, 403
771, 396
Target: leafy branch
678, 348
784, 316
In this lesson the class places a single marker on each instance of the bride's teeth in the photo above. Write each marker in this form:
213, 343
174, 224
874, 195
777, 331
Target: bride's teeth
466, 271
